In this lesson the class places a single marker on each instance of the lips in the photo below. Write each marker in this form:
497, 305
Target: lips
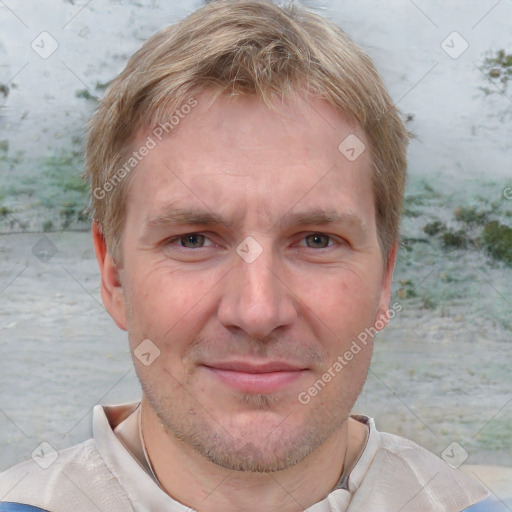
267, 367
261, 378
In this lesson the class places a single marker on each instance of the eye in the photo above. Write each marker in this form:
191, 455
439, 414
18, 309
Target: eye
191, 241
318, 241
190, 247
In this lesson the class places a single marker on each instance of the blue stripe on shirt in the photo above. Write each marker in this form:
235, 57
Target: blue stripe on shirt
490, 505
7, 506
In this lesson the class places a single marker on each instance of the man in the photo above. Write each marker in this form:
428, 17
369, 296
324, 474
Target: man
247, 170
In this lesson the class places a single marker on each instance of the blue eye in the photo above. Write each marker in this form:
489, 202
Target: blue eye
192, 241
318, 241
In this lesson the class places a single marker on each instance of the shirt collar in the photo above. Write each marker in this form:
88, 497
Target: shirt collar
134, 473
142, 491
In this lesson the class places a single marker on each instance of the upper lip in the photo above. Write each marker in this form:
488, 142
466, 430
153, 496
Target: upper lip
266, 367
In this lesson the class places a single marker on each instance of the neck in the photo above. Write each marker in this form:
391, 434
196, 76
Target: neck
196, 482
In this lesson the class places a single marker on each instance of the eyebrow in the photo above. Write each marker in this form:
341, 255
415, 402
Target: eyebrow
321, 217
317, 217
186, 216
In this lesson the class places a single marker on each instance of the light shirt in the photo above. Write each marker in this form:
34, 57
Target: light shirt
111, 473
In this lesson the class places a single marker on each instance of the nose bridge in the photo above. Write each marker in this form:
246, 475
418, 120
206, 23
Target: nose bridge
258, 280
255, 300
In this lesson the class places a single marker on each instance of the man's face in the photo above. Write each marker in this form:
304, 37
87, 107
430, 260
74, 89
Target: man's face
245, 325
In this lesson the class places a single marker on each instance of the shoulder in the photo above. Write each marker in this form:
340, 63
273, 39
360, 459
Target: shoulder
76, 478
426, 467
404, 476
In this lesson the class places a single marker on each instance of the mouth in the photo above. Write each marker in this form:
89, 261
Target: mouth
264, 378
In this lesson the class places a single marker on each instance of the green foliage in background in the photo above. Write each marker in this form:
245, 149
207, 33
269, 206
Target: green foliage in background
498, 68
45, 193
478, 229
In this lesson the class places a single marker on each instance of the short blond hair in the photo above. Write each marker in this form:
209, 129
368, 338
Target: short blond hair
244, 47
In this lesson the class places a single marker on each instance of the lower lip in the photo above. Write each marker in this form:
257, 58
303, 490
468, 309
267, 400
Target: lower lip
257, 382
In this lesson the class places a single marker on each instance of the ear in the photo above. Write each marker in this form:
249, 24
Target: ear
382, 315
111, 287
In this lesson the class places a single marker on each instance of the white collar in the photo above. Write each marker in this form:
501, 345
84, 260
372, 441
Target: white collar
144, 490
388, 468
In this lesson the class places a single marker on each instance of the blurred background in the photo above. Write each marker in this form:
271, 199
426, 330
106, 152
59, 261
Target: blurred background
441, 370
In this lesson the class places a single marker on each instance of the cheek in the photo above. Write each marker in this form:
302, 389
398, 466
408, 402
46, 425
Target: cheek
346, 301
166, 305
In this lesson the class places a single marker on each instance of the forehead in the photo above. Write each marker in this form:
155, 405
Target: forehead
239, 158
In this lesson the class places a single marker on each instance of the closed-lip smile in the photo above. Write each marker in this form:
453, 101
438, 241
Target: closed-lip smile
262, 377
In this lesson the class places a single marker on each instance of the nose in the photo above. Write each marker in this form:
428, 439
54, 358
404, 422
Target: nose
256, 298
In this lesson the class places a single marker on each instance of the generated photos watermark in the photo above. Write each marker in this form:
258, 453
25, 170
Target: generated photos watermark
304, 397
147, 352
157, 135
249, 249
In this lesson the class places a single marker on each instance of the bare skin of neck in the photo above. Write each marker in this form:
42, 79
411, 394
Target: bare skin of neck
194, 481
